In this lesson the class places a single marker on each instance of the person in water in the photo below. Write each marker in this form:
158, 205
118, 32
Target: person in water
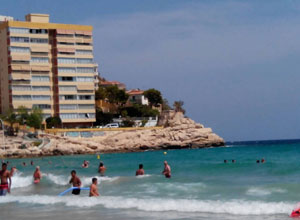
167, 170
101, 169
12, 171
225, 161
76, 182
37, 175
140, 171
263, 160
5, 176
93, 188
31, 163
85, 164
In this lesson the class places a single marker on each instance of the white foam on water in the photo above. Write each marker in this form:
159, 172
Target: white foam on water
86, 181
259, 191
233, 207
57, 179
19, 181
143, 176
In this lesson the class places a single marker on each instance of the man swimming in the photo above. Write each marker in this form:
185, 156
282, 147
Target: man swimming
93, 188
37, 175
101, 169
76, 182
140, 171
85, 164
4, 176
167, 170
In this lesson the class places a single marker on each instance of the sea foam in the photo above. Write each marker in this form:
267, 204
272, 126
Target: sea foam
233, 207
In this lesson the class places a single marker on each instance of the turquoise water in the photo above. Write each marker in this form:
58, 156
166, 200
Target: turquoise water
201, 187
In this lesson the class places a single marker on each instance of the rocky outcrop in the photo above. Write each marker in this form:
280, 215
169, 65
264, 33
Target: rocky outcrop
179, 132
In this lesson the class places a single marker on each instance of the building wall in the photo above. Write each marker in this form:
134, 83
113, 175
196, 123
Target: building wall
51, 67
4, 91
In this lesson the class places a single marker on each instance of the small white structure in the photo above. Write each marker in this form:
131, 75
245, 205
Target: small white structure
6, 18
137, 96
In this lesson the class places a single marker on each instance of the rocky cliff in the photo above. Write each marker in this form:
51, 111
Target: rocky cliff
178, 132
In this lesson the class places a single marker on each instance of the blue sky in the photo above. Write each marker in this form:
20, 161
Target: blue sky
234, 63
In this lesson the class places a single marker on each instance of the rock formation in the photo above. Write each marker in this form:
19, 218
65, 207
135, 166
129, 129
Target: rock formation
178, 132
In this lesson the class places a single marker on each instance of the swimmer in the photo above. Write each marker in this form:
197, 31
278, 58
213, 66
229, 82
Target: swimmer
12, 171
140, 171
225, 161
4, 176
167, 170
76, 182
93, 188
101, 169
85, 164
37, 175
24, 164
31, 163
263, 160
233, 161
257, 161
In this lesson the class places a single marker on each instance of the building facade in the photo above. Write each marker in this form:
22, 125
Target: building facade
50, 66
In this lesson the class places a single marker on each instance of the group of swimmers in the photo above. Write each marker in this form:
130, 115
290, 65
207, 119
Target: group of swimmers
5, 176
257, 161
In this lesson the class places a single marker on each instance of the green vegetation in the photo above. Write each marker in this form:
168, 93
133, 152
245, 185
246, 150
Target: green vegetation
154, 96
113, 94
35, 118
103, 118
137, 110
178, 106
53, 122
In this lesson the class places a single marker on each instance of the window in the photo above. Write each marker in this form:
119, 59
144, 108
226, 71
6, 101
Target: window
41, 88
20, 61
65, 60
67, 88
68, 107
21, 97
66, 70
45, 116
68, 115
67, 79
40, 78
65, 43
38, 31
39, 40
42, 106
84, 60
20, 49
64, 35
41, 97
39, 53
85, 79
19, 39
39, 60
82, 106
21, 88
85, 70
86, 97
84, 44
67, 97
84, 52
18, 30
86, 115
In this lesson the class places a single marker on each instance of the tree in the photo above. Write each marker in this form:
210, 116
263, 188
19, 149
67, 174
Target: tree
53, 122
112, 93
122, 97
154, 97
103, 118
178, 106
35, 118
10, 117
22, 115
165, 105
100, 94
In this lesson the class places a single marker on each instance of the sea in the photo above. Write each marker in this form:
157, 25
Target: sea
202, 186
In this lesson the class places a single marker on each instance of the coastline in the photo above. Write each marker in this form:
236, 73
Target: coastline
178, 132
